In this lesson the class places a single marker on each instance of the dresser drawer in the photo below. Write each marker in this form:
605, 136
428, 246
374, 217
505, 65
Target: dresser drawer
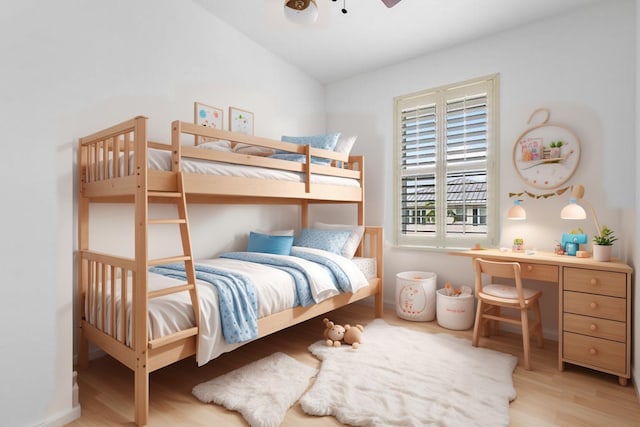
595, 305
595, 327
543, 272
595, 352
595, 281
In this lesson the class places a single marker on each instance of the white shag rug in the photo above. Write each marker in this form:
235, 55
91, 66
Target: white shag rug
261, 391
402, 377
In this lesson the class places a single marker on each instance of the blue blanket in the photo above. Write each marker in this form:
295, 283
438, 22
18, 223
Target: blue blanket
299, 275
341, 278
236, 295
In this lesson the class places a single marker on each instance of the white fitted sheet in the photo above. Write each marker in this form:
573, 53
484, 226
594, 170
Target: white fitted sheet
161, 160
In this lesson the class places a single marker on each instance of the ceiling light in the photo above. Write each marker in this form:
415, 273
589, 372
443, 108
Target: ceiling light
301, 11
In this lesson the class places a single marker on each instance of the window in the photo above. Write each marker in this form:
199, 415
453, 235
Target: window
446, 144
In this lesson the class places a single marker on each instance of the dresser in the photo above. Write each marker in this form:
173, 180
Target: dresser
594, 306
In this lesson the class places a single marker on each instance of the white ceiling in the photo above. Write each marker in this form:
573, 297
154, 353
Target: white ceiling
370, 35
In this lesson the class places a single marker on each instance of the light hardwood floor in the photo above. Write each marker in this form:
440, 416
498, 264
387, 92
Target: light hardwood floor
545, 396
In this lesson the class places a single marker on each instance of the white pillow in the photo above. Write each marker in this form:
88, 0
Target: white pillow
352, 243
276, 232
253, 150
345, 144
216, 144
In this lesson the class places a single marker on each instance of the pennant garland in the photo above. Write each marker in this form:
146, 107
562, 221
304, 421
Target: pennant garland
558, 192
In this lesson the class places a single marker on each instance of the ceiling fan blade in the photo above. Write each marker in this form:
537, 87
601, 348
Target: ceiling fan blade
390, 3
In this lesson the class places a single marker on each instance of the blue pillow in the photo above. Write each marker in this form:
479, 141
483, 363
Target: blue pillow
301, 158
327, 240
270, 244
325, 142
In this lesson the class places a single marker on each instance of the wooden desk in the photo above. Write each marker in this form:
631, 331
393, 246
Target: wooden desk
594, 306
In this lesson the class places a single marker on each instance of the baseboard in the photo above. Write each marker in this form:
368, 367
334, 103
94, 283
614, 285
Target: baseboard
62, 419
94, 353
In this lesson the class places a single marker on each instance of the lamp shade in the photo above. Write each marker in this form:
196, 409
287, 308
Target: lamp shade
516, 211
573, 211
301, 11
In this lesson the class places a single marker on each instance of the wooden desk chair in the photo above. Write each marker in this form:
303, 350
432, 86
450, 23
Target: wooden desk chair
493, 296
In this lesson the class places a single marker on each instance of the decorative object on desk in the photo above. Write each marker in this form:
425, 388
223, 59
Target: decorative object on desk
516, 211
582, 254
571, 242
518, 244
416, 295
207, 116
240, 121
542, 170
602, 244
574, 211
559, 248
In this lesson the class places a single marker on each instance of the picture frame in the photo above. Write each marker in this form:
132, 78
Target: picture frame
240, 121
208, 116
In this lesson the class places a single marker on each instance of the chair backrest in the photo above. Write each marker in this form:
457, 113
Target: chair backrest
507, 270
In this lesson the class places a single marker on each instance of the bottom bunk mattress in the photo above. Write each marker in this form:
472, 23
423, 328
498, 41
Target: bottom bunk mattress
236, 289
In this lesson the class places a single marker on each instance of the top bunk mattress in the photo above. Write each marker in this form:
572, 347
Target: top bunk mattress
161, 160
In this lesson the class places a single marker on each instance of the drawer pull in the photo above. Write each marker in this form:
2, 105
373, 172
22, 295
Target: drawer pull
594, 282
593, 327
593, 305
529, 268
593, 351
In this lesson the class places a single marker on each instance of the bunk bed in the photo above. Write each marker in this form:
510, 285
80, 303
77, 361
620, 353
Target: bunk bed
116, 294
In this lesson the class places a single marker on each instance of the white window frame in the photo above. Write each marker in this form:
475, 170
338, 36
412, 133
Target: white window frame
438, 97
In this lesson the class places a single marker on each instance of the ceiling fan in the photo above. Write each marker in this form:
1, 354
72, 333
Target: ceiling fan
390, 3
303, 4
306, 11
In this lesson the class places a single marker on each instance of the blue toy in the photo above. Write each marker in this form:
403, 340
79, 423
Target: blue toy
571, 242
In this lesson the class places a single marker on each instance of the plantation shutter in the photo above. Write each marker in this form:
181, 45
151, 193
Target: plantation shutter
444, 139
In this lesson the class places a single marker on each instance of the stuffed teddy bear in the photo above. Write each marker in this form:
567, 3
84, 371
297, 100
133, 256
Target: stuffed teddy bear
333, 333
336, 334
353, 335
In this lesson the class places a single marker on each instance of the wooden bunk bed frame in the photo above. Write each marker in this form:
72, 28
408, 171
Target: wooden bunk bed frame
111, 182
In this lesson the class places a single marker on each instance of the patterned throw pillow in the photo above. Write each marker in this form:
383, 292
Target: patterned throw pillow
352, 243
327, 240
324, 142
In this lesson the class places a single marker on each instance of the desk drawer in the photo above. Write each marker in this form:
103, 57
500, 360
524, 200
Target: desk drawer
596, 282
595, 305
595, 327
543, 272
595, 352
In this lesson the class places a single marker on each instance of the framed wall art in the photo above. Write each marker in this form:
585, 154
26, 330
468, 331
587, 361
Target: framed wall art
240, 121
208, 116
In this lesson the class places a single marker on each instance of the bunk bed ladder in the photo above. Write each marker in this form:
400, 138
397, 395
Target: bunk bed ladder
179, 199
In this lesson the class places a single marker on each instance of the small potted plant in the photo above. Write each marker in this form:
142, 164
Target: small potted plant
555, 149
603, 243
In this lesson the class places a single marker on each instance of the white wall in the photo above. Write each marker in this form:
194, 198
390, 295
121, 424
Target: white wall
631, 220
69, 68
581, 66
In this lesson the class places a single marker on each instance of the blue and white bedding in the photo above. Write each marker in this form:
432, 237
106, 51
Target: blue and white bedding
278, 282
